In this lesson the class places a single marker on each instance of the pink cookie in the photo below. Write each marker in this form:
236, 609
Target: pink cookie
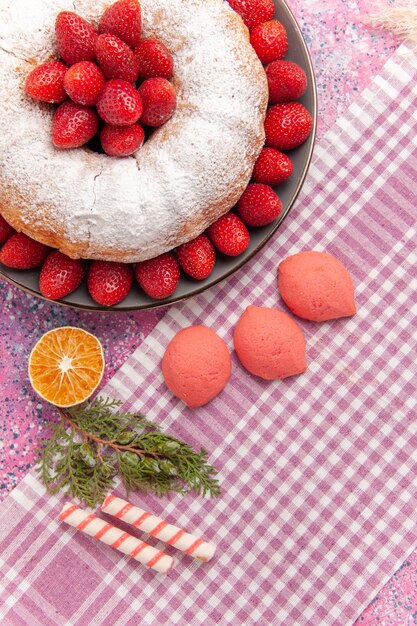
196, 365
270, 344
316, 286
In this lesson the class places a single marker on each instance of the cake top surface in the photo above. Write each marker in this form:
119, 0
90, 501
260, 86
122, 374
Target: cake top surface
189, 172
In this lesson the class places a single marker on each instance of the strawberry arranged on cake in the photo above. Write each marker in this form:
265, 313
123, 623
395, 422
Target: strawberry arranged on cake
129, 131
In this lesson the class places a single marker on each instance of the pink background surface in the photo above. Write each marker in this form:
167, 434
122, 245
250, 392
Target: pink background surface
347, 55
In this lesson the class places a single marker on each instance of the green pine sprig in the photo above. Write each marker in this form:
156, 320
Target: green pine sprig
95, 442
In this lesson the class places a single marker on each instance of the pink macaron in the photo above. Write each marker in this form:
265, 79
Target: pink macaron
196, 365
316, 286
270, 344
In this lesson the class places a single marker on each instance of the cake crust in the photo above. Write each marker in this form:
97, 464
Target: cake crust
189, 173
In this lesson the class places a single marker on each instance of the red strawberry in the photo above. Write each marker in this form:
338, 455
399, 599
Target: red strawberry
272, 167
270, 41
119, 103
123, 19
73, 125
122, 141
287, 81
75, 37
60, 275
6, 230
109, 283
197, 257
116, 59
259, 205
229, 235
253, 12
159, 277
287, 125
83, 83
46, 82
159, 101
23, 253
155, 60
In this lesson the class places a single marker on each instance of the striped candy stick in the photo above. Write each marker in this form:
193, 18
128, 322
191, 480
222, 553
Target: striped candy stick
116, 538
155, 526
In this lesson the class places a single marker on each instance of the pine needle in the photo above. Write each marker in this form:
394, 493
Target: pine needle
95, 442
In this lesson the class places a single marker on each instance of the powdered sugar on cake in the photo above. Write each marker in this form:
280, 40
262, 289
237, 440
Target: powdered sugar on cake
190, 172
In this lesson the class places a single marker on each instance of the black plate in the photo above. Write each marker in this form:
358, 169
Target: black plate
225, 266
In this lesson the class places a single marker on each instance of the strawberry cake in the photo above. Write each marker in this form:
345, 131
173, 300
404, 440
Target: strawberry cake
190, 171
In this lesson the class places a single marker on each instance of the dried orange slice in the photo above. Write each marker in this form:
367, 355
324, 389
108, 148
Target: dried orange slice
66, 366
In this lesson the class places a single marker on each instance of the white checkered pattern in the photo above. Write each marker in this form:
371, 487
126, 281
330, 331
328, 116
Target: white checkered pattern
318, 472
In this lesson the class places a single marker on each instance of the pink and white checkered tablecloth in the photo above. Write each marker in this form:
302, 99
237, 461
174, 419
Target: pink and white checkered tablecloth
318, 475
